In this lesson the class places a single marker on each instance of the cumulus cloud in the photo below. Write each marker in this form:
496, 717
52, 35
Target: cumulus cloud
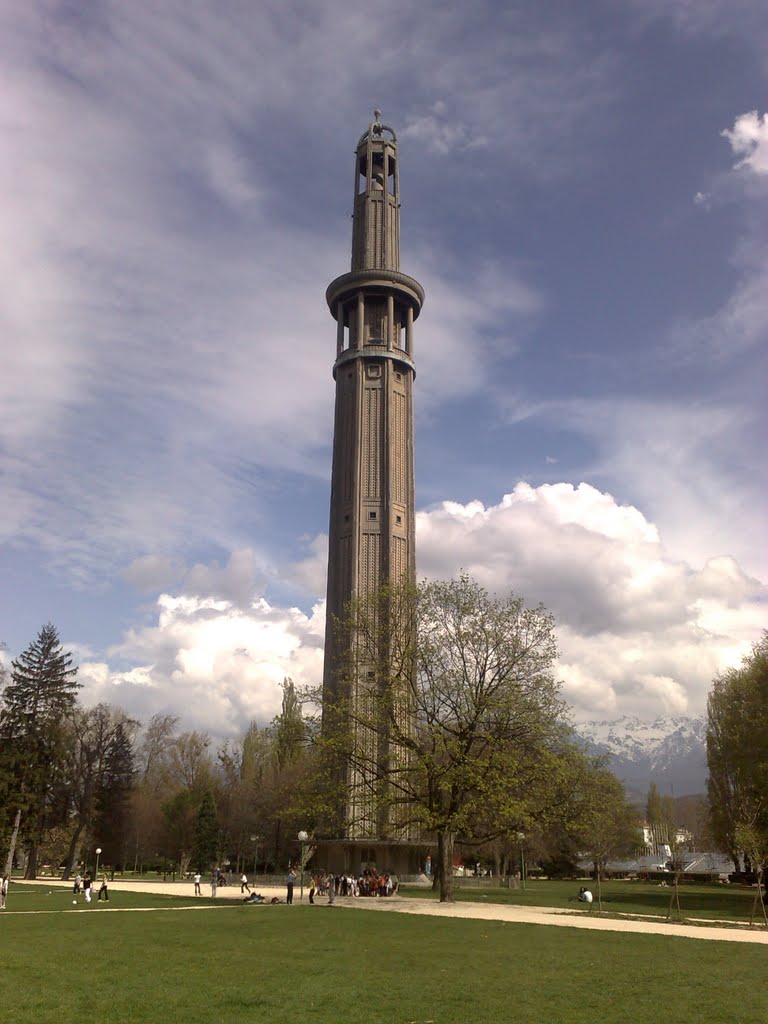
217, 665
152, 572
749, 140
639, 632
637, 629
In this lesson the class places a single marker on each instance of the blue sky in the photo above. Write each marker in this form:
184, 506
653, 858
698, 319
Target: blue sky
584, 192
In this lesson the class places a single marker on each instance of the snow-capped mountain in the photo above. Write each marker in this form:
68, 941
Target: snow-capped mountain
668, 751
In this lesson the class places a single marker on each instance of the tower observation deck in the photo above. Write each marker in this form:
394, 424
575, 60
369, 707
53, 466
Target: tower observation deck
372, 528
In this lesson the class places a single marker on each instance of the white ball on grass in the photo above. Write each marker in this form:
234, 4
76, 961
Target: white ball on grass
74, 903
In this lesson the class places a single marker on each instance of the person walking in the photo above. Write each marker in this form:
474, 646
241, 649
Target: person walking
103, 890
88, 886
198, 879
244, 887
290, 880
312, 887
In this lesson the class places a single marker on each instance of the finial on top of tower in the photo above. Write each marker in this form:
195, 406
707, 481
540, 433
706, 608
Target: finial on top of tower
377, 122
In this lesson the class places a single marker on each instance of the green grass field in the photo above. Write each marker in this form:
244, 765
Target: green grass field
320, 965
704, 902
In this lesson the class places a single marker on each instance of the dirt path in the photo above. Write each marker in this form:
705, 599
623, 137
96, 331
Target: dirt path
468, 911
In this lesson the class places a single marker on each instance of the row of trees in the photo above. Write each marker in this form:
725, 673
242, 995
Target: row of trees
459, 737
74, 778
737, 755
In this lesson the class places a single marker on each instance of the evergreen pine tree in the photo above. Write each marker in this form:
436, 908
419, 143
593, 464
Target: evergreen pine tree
35, 705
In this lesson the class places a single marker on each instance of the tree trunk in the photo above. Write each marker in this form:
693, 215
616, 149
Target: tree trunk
12, 844
72, 853
445, 866
31, 869
599, 890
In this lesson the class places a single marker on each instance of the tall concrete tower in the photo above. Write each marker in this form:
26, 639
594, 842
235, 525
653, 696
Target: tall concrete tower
372, 529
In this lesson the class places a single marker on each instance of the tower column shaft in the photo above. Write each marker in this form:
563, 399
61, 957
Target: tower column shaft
371, 537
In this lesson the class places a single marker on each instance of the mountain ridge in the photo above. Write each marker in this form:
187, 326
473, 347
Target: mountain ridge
670, 751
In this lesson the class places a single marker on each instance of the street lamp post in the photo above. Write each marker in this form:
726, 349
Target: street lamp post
303, 837
98, 854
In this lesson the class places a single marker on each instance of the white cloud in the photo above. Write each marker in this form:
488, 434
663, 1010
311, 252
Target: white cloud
749, 140
217, 665
639, 632
439, 132
239, 581
310, 573
152, 572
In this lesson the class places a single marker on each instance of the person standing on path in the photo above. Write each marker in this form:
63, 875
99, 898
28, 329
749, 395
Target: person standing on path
103, 890
198, 890
289, 883
244, 887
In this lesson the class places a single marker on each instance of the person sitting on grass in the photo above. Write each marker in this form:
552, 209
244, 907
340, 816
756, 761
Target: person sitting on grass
585, 896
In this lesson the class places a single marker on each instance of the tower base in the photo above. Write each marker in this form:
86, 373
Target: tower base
385, 856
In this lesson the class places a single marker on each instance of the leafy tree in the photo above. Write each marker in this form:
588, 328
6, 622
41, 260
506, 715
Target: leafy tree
660, 816
36, 705
654, 810
753, 840
737, 755
206, 833
447, 696
154, 786
153, 753
606, 825
89, 765
289, 728
189, 762
180, 814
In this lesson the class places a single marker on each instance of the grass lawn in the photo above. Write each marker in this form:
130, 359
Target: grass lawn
711, 902
325, 965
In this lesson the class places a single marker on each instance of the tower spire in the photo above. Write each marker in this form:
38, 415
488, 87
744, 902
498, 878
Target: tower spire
372, 521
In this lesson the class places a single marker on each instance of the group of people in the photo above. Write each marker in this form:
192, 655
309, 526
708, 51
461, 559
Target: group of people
217, 878
369, 883
85, 885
